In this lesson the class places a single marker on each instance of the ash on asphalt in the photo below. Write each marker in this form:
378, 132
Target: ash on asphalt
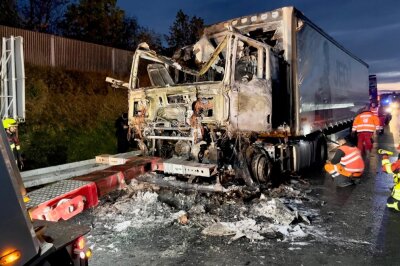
144, 225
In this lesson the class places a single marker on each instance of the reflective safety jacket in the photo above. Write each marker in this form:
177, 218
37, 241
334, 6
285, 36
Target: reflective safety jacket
396, 192
14, 145
366, 122
352, 160
390, 168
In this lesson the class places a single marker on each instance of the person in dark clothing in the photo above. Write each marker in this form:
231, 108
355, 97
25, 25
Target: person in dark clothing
122, 129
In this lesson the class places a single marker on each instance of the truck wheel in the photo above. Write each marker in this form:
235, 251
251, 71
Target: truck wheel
321, 151
261, 168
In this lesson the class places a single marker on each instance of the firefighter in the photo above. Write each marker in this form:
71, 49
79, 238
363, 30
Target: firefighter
347, 165
394, 169
364, 125
10, 125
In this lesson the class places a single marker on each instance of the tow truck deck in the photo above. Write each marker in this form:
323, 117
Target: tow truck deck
72, 192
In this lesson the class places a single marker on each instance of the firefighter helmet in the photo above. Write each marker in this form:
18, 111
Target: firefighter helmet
9, 122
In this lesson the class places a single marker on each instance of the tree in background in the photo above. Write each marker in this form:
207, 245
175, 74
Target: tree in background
196, 29
8, 13
103, 22
127, 38
184, 31
100, 22
42, 15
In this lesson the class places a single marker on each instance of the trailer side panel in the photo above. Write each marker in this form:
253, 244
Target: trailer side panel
332, 84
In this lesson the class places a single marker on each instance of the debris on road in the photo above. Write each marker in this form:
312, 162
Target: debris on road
181, 217
275, 210
251, 215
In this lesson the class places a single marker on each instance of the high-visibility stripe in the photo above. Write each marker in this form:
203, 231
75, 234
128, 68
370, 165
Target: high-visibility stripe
393, 205
354, 170
385, 161
366, 130
12, 146
396, 193
366, 126
344, 158
351, 160
388, 168
18, 147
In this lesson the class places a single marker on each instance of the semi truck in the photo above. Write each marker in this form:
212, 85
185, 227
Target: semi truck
254, 97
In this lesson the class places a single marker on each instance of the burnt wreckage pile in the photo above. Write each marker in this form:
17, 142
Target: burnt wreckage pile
283, 213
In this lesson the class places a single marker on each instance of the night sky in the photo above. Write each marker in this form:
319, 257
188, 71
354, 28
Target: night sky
368, 28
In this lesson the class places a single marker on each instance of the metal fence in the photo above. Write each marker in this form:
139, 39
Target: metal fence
49, 50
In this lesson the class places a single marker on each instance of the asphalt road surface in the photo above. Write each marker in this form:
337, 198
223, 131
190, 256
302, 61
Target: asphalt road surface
351, 226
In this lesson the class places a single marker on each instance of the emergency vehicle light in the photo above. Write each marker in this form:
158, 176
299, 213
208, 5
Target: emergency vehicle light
81, 249
82, 255
10, 257
88, 253
80, 243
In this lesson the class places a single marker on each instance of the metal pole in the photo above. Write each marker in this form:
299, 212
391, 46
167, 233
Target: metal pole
13, 79
2, 76
52, 52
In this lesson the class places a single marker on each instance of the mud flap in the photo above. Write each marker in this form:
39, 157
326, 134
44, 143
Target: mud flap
242, 171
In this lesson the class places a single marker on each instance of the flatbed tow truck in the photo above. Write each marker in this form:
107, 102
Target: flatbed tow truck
27, 241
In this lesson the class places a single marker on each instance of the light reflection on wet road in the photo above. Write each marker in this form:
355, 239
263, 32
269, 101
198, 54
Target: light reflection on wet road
388, 238
394, 127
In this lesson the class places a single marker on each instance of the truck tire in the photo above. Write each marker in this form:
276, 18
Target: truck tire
261, 168
321, 151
